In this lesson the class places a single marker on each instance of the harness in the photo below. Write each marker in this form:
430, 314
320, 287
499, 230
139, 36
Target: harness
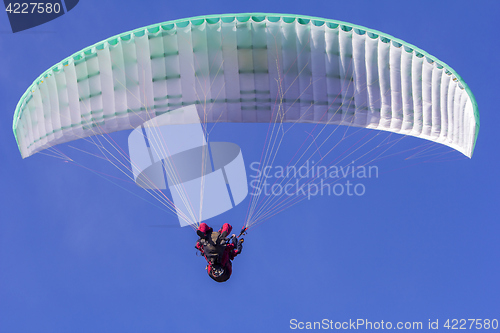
213, 247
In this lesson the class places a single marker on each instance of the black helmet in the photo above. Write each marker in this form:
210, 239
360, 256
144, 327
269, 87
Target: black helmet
218, 273
215, 271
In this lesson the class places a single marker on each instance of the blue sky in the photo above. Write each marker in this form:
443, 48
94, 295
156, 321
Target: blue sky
79, 254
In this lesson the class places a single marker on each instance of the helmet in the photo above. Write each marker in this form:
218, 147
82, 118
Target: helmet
216, 271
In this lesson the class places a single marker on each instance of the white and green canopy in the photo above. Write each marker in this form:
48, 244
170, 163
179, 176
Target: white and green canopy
249, 68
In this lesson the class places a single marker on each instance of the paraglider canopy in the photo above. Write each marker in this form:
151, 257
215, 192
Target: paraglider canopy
249, 68
241, 68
